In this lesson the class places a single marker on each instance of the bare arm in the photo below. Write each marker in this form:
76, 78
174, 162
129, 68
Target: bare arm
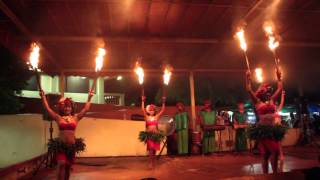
52, 114
143, 99
249, 87
86, 107
281, 101
280, 86
163, 106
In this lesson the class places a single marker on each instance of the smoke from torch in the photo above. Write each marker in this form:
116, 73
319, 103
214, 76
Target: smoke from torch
99, 59
259, 75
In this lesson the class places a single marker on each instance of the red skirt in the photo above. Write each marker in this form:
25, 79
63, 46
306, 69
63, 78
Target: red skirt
63, 157
153, 145
269, 146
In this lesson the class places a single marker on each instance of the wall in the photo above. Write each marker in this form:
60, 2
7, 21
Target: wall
23, 137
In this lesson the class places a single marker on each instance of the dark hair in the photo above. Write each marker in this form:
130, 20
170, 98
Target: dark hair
264, 92
65, 102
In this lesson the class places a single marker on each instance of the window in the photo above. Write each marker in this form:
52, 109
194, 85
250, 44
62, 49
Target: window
32, 84
112, 99
77, 84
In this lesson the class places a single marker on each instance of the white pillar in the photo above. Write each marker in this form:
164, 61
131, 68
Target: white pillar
100, 90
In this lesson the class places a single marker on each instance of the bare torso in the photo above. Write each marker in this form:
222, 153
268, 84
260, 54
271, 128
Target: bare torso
67, 135
151, 124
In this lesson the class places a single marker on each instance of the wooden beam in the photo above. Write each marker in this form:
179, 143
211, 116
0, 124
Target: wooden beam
125, 71
89, 39
6, 10
251, 10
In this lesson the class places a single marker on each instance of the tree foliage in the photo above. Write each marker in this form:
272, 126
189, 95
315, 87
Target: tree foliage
14, 75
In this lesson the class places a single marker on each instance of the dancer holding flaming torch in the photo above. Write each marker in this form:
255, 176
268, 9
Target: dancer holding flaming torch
151, 136
66, 146
266, 132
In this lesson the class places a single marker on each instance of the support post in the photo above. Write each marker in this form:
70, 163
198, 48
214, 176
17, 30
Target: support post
193, 102
62, 84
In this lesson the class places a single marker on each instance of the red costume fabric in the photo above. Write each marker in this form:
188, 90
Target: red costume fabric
151, 144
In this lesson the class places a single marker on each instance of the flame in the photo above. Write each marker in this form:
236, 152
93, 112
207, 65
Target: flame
272, 42
34, 55
259, 75
139, 71
242, 40
167, 75
99, 59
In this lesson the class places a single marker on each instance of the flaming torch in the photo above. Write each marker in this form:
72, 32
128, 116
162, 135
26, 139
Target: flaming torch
34, 61
139, 71
272, 42
243, 45
99, 62
167, 72
259, 75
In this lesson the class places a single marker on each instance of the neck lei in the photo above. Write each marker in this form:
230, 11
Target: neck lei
66, 118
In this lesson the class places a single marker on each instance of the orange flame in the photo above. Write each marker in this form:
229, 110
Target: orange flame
167, 75
139, 71
241, 39
99, 59
259, 75
272, 42
34, 55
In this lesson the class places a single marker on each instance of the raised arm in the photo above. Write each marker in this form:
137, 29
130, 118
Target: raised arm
86, 107
283, 94
51, 113
163, 107
280, 86
249, 87
143, 99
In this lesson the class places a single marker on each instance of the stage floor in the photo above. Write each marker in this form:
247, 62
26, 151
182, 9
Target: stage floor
220, 165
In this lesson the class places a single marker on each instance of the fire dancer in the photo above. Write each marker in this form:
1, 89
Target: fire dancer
67, 145
151, 136
266, 132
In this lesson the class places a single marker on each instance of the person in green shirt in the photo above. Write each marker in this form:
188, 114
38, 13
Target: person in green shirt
240, 124
182, 126
208, 117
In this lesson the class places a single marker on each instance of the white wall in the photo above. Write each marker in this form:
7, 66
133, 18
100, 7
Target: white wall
23, 137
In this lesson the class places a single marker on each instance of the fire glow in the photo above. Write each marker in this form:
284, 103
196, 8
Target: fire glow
242, 40
139, 71
272, 42
167, 75
34, 56
99, 59
259, 75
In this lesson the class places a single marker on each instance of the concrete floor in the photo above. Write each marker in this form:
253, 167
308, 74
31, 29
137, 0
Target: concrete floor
217, 166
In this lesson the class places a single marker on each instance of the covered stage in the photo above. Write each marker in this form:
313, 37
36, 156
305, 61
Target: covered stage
196, 38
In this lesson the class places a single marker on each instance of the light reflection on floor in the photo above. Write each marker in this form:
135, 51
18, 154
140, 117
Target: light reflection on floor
194, 167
